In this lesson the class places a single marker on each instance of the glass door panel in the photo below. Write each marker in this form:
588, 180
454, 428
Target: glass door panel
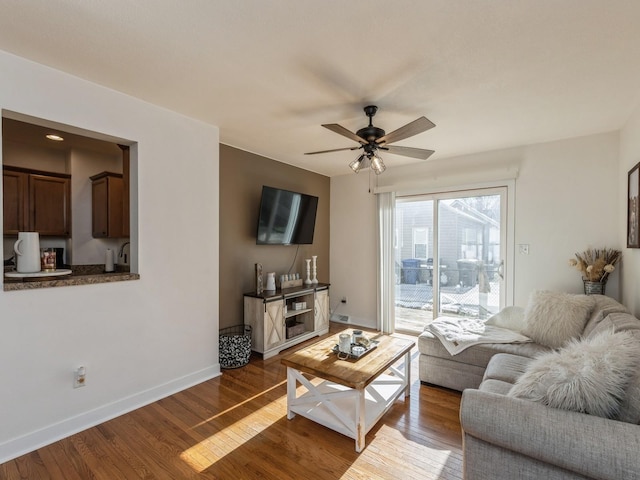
449, 255
414, 264
469, 256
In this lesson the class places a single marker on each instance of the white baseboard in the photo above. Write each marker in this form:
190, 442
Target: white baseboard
52, 433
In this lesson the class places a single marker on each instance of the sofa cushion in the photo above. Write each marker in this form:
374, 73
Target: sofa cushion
495, 386
478, 355
553, 318
630, 406
588, 376
603, 306
615, 322
506, 367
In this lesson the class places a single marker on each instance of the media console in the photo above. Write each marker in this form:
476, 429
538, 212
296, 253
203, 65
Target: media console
285, 317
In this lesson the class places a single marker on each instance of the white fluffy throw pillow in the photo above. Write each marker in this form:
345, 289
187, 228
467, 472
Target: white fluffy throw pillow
553, 318
588, 376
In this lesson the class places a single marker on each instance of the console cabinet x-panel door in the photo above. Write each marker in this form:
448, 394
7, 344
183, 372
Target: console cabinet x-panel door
321, 312
273, 324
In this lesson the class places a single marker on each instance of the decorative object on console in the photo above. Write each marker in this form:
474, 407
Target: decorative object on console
308, 280
290, 280
596, 265
259, 286
271, 281
315, 269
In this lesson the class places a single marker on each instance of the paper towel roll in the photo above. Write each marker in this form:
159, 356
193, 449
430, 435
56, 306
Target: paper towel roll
108, 261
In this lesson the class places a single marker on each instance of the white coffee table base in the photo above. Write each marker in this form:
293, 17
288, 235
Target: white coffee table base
352, 412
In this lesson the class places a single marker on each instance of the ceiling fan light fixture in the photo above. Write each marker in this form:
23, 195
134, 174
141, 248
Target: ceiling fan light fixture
357, 164
372, 138
377, 165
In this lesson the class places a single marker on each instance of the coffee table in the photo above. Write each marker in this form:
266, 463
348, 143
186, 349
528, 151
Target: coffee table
348, 396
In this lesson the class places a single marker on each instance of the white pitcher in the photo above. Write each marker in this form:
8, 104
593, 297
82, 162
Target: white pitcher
271, 281
27, 249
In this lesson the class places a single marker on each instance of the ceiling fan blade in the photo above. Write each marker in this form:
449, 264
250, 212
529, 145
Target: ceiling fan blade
334, 127
333, 150
419, 125
409, 151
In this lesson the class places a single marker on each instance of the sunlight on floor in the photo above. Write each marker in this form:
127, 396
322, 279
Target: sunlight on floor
207, 452
386, 441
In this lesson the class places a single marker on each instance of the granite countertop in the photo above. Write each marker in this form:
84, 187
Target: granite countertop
80, 275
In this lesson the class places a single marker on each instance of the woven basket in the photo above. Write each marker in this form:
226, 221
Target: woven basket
594, 288
235, 346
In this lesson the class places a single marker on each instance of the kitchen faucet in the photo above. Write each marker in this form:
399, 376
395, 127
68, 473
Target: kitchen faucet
121, 252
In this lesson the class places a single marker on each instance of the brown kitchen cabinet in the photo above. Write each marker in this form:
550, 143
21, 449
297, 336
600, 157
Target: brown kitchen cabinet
107, 220
36, 201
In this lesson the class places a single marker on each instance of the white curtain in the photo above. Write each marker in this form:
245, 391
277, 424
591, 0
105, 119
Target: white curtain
386, 203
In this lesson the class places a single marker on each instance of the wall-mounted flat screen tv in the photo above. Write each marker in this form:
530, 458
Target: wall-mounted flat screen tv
286, 218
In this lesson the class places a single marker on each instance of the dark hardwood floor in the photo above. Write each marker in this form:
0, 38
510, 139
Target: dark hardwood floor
235, 427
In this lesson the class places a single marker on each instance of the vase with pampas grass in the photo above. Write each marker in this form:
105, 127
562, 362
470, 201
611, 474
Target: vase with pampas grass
596, 264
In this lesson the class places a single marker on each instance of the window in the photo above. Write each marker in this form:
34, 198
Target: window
420, 245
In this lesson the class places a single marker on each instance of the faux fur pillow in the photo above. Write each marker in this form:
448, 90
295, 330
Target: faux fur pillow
588, 376
553, 318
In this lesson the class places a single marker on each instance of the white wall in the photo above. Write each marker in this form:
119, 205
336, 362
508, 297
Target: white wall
35, 157
353, 241
139, 340
629, 156
566, 200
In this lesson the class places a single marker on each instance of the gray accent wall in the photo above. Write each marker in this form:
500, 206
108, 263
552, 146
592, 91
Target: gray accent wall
242, 175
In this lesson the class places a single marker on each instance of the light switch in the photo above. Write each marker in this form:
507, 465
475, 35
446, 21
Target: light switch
524, 248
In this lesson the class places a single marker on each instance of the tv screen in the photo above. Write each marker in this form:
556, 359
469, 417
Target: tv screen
286, 217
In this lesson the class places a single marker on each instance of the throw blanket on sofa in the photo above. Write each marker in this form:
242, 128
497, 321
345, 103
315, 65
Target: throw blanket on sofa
458, 334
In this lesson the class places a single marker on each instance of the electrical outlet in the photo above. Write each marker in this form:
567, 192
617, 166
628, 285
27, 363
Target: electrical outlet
79, 377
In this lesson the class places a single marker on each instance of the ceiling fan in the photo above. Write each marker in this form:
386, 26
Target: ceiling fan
372, 139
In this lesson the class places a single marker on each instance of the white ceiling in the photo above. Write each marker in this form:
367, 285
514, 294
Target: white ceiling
489, 73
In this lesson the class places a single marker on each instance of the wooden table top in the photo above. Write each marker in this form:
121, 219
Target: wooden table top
319, 360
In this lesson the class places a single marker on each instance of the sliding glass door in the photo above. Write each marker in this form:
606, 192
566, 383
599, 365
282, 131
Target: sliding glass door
449, 253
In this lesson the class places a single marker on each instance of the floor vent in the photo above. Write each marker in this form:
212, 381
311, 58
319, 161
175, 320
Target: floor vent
340, 318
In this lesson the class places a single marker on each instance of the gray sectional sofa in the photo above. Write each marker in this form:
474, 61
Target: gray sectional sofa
511, 435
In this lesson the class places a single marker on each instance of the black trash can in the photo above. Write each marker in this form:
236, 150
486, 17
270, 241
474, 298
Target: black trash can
468, 272
410, 269
235, 346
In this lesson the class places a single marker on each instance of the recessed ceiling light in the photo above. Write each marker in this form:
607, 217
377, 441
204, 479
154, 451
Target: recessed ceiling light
55, 138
